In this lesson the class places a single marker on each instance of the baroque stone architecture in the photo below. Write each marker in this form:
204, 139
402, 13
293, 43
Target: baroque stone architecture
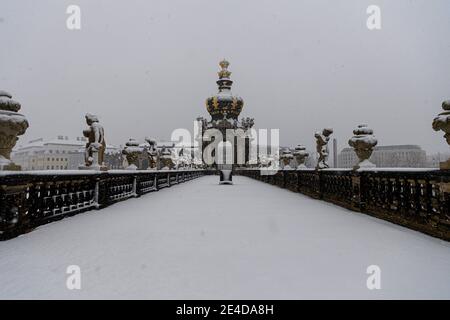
363, 142
225, 108
442, 122
300, 155
132, 152
96, 144
286, 158
12, 124
322, 139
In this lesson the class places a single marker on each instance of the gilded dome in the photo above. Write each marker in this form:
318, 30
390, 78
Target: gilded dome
224, 105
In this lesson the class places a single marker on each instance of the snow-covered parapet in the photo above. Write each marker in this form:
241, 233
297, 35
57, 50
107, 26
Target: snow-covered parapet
300, 155
286, 158
12, 124
322, 139
363, 142
132, 151
442, 122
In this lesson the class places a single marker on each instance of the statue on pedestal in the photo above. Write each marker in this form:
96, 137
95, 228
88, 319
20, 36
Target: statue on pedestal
12, 124
322, 139
95, 146
152, 153
442, 122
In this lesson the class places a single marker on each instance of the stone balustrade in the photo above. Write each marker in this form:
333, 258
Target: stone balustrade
29, 199
418, 199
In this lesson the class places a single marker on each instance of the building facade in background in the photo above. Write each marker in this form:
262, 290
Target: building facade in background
61, 153
411, 156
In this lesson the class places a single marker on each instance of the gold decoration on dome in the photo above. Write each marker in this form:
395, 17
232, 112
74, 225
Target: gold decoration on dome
224, 73
215, 103
234, 104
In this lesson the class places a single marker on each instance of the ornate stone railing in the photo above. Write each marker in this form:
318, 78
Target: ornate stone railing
415, 198
29, 199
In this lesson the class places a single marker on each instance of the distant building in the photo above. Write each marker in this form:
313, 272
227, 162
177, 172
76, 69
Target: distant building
434, 160
61, 153
411, 156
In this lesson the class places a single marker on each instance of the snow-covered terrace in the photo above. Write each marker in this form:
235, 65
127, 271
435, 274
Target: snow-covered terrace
202, 240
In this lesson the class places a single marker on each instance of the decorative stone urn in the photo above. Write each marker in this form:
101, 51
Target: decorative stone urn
363, 143
322, 139
286, 157
12, 124
132, 151
166, 159
442, 122
300, 155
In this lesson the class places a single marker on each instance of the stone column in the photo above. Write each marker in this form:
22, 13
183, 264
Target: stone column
442, 122
12, 124
363, 143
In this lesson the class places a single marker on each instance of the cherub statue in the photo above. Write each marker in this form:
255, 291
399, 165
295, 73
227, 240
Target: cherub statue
152, 152
96, 144
322, 139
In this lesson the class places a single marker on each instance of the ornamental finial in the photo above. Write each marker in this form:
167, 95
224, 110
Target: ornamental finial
224, 73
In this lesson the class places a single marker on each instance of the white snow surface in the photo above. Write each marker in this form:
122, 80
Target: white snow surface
204, 240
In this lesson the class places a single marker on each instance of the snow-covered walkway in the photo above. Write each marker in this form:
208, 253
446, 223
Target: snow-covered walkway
201, 240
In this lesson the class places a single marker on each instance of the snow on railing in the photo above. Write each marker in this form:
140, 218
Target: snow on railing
416, 198
32, 198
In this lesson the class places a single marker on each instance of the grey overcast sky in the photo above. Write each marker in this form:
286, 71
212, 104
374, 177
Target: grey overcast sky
146, 67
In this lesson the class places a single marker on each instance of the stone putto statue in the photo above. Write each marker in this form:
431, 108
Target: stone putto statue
12, 124
322, 139
96, 144
363, 142
152, 152
442, 122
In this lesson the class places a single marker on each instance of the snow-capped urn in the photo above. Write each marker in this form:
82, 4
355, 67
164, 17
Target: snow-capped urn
132, 151
286, 158
12, 124
152, 152
363, 142
300, 155
95, 146
167, 162
322, 139
442, 122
